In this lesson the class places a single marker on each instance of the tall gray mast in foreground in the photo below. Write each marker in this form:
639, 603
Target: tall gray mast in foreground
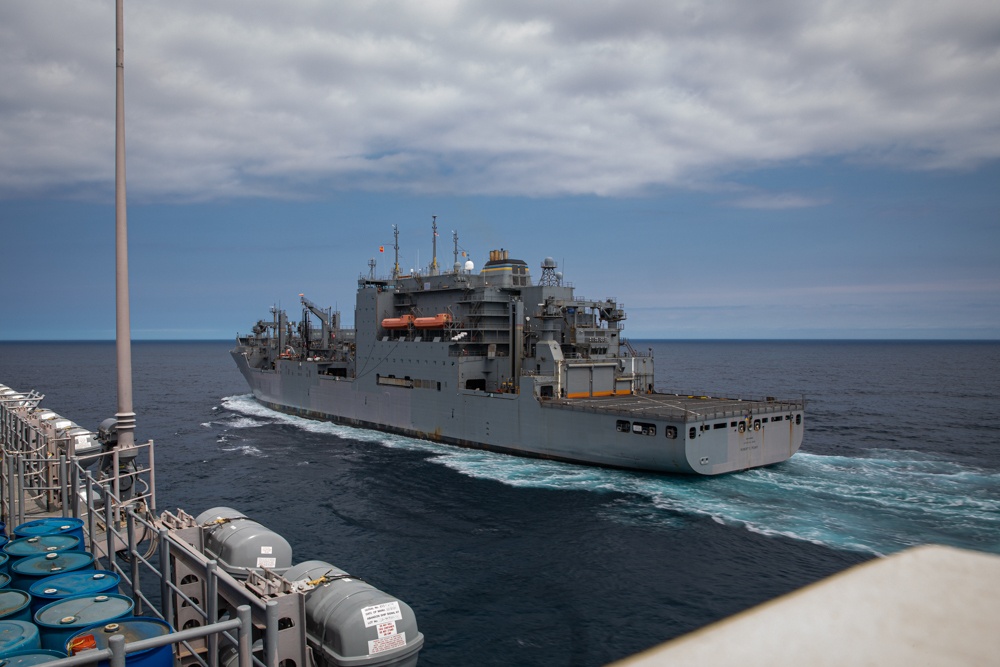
123, 332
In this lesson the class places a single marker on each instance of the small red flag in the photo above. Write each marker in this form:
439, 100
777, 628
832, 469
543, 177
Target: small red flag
381, 248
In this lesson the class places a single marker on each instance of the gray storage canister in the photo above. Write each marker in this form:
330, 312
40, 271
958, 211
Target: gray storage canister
52, 526
17, 636
240, 545
27, 571
353, 622
58, 621
69, 584
15, 605
28, 658
133, 629
26, 547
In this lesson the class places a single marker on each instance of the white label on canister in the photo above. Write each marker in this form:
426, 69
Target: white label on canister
382, 613
267, 562
266, 550
386, 643
386, 629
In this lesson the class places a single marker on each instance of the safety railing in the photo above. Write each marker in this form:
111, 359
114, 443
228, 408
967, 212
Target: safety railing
38, 479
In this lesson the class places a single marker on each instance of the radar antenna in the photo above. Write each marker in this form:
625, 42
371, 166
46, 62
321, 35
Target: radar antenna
549, 276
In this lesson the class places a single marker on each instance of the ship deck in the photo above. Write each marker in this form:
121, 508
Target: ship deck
677, 407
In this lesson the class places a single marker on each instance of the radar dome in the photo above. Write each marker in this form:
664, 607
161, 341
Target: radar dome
469, 266
548, 263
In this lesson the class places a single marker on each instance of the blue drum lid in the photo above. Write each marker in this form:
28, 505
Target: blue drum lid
133, 629
4, 580
17, 635
45, 565
40, 544
29, 657
83, 610
67, 584
50, 526
12, 601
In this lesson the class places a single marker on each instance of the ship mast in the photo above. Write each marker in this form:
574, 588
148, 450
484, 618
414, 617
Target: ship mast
395, 235
123, 332
434, 261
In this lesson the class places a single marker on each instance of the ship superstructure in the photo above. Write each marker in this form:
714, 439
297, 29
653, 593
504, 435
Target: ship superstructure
493, 360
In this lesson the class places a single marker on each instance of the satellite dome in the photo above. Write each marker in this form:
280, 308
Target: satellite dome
548, 263
469, 266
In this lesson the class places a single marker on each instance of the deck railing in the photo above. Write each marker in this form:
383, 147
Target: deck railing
156, 558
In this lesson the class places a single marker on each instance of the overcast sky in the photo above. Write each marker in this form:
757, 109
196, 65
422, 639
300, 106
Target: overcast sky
733, 169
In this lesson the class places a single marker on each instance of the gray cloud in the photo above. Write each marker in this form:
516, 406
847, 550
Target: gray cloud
252, 98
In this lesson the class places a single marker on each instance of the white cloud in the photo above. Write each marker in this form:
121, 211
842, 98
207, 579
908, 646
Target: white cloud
252, 98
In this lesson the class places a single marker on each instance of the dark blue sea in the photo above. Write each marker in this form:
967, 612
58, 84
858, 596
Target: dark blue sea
510, 561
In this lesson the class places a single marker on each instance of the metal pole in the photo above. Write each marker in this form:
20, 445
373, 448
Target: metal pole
271, 634
133, 557
123, 332
91, 514
166, 575
212, 609
152, 482
117, 643
20, 490
64, 484
74, 473
109, 527
246, 634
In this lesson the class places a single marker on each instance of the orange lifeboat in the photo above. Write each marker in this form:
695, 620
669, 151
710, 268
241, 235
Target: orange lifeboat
397, 322
435, 322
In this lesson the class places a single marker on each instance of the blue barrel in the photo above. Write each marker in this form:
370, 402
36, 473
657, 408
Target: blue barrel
17, 636
30, 657
26, 547
133, 629
27, 571
69, 584
3, 529
51, 526
15, 605
58, 621
4, 558
4, 580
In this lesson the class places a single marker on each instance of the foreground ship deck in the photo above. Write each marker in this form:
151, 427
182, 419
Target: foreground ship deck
493, 361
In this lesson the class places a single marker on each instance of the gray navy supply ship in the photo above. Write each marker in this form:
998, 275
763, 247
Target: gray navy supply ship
491, 360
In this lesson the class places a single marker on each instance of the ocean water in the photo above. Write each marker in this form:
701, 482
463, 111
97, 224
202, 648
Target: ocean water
510, 561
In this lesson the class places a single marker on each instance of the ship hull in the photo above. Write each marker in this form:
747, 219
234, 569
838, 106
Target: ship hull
595, 432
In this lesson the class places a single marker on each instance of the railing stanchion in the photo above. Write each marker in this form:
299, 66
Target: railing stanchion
271, 634
212, 609
166, 576
64, 485
109, 526
117, 645
246, 634
133, 559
